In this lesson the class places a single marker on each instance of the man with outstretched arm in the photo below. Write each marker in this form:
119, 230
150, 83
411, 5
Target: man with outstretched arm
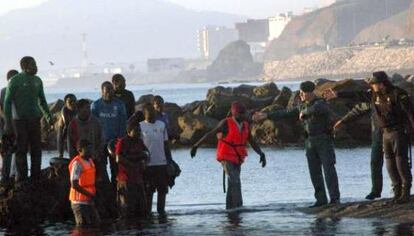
315, 116
358, 111
233, 134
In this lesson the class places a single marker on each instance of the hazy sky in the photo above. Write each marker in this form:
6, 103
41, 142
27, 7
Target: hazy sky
251, 8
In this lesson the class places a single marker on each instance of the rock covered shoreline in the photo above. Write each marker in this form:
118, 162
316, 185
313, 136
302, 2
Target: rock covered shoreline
380, 209
190, 122
46, 199
341, 62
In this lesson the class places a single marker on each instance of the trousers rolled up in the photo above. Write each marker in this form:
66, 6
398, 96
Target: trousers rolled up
234, 197
377, 162
396, 155
320, 155
28, 134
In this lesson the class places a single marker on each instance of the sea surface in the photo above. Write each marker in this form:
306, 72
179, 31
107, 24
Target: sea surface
273, 196
175, 93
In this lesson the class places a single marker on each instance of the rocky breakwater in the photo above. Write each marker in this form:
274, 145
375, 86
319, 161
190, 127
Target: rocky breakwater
190, 122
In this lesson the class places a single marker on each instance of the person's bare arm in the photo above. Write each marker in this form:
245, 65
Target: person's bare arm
258, 150
219, 126
78, 188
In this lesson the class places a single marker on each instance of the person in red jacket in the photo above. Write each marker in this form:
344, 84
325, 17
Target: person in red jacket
233, 134
131, 156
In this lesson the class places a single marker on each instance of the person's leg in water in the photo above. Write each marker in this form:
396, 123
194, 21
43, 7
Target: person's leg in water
161, 198
35, 148
22, 141
234, 197
122, 199
377, 161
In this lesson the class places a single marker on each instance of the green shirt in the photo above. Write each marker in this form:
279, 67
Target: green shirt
25, 98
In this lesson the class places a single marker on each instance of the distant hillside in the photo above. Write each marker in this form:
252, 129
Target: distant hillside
340, 24
117, 31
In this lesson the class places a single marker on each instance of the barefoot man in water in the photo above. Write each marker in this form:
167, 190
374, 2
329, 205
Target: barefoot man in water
233, 134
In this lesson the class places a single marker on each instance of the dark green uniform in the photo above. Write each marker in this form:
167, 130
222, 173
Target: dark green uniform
318, 145
377, 156
394, 113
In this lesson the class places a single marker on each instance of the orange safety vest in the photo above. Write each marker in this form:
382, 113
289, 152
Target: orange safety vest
86, 180
233, 147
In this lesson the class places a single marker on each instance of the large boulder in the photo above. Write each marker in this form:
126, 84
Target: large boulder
219, 90
294, 100
194, 127
347, 85
190, 107
266, 90
244, 90
280, 132
282, 99
234, 61
173, 111
34, 201
219, 104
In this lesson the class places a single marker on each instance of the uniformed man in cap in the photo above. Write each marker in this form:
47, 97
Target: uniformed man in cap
394, 112
314, 114
358, 111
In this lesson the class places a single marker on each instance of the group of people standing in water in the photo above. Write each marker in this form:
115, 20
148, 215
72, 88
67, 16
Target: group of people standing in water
136, 143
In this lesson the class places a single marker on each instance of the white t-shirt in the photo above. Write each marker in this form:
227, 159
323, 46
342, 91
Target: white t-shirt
154, 135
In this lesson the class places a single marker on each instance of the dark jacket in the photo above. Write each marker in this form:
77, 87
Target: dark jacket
129, 100
318, 117
393, 108
65, 117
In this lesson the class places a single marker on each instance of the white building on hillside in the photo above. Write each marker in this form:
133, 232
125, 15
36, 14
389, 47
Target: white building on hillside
277, 24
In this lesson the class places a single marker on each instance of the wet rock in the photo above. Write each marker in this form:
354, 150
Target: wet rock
243, 89
279, 132
294, 100
407, 86
283, 97
266, 90
219, 105
347, 85
194, 127
321, 81
396, 78
33, 201
202, 109
190, 107
219, 90
173, 111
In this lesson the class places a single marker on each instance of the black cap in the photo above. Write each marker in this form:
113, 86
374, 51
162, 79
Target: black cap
307, 86
378, 77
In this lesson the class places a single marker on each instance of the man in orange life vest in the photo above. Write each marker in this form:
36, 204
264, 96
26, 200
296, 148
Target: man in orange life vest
82, 192
233, 134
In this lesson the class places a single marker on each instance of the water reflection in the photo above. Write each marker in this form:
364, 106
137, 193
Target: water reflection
324, 227
233, 225
403, 230
78, 231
